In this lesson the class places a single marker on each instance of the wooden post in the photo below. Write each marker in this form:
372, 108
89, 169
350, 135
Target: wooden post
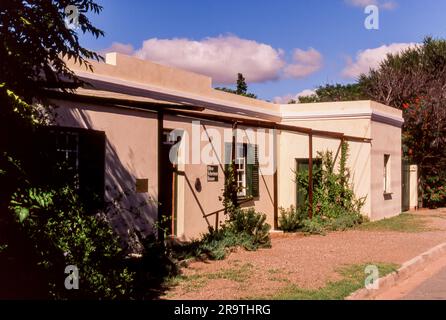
276, 184
233, 158
310, 176
160, 170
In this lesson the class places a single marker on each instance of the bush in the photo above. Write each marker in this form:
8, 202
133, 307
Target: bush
63, 235
246, 229
335, 206
291, 220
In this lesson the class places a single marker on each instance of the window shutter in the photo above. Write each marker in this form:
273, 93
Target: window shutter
92, 168
252, 171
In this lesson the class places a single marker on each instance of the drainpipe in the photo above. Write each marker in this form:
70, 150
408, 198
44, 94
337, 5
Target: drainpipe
160, 170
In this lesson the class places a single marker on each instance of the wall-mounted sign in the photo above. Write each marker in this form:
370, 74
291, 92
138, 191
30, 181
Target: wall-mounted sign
212, 173
142, 185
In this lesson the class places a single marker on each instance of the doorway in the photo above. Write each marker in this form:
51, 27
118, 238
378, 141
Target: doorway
168, 188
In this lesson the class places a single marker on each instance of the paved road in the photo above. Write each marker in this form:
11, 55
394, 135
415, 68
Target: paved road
433, 288
427, 284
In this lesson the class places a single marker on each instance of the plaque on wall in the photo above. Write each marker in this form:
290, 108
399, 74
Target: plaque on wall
212, 173
142, 185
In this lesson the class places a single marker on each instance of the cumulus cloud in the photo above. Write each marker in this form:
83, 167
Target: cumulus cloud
371, 58
223, 57
120, 48
304, 63
386, 5
288, 97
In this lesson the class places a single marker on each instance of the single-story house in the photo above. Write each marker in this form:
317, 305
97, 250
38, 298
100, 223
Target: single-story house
157, 139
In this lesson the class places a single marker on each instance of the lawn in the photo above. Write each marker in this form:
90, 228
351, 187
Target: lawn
353, 278
405, 222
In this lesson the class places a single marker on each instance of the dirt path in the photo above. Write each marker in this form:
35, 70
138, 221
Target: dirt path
308, 262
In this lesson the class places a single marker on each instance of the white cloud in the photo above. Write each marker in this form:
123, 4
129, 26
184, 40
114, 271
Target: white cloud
120, 48
223, 57
371, 58
386, 5
287, 98
304, 63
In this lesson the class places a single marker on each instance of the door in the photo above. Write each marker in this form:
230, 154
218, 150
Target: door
301, 190
405, 186
302, 166
167, 192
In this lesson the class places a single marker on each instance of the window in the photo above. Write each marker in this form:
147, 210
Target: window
75, 157
240, 169
67, 154
387, 178
246, 168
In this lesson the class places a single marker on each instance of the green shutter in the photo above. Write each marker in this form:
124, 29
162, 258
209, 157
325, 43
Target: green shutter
252, 171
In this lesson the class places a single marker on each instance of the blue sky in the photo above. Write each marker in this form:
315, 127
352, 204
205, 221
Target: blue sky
261, 37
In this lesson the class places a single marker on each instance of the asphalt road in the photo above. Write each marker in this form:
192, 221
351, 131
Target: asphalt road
433, 288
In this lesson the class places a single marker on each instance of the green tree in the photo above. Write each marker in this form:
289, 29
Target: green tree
337, 92
242, 87
414, 81
241, 90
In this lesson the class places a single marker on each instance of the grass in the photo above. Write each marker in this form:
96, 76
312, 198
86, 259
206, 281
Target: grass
405, 222
195, 282
353, 278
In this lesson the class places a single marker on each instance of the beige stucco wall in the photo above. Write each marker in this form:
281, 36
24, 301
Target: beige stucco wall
132, 140
197, 204
131, 153
357, 118
413, 187
386, 140
296, 146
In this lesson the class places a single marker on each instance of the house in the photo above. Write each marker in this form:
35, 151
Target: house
158, 139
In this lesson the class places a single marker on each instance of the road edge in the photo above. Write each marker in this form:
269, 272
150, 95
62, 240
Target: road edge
406, 270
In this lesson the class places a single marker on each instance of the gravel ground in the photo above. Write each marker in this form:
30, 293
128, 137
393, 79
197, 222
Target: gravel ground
308, 262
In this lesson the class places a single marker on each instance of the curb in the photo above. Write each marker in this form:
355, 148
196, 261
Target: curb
406, 270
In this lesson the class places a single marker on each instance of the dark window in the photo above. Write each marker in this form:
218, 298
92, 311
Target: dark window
75, 157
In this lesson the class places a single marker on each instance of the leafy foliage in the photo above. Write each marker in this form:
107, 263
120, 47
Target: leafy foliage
337, 92
246, 229
62, 234
414, 81
335, 206
35, 40
241, 90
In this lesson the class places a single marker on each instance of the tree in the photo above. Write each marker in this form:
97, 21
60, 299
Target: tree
242, 88
34, 40
337, 92
414, 81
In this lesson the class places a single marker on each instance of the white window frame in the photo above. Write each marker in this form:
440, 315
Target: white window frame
240, 169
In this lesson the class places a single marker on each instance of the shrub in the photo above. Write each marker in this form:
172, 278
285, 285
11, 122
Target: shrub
335, 206
246, 229
62, 235
291, 220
